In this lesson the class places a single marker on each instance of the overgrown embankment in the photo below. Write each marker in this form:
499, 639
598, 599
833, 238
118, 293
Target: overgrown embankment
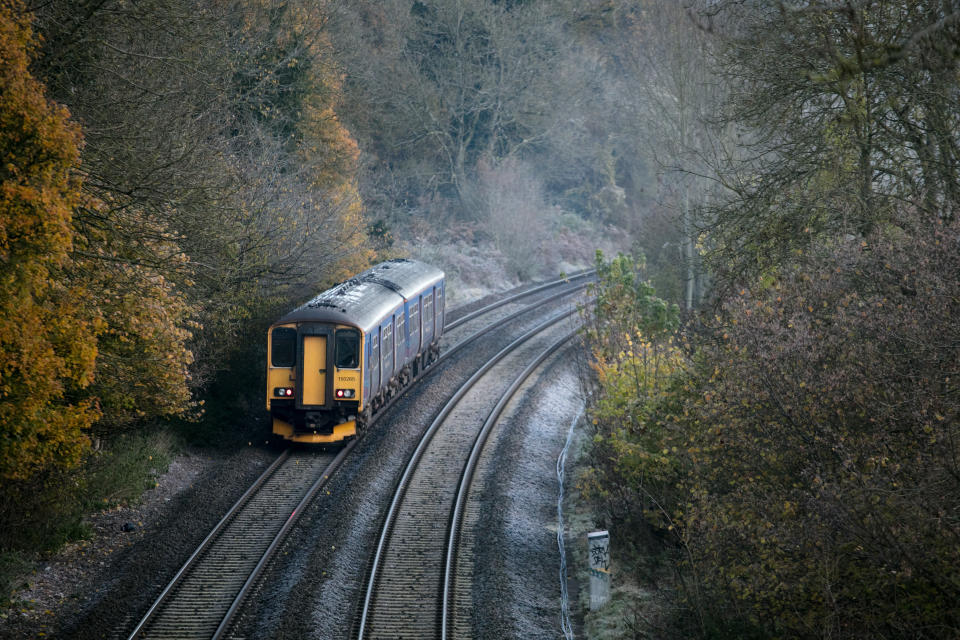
791, 469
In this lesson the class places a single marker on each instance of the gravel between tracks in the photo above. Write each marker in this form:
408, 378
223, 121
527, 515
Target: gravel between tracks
516, 591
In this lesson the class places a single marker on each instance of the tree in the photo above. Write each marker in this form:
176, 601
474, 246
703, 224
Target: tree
800, 468
829, 101
225, 180
822, 450
440, 87
673, 95
47, 334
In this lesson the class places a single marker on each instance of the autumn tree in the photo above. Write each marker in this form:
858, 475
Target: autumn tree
799, 469
633, 354
823, 460
48, 335
224, 176
295, 100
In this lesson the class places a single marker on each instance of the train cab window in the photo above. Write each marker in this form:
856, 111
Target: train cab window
348, 349
283, 347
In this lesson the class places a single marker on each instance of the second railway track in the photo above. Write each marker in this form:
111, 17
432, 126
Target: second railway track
414, 569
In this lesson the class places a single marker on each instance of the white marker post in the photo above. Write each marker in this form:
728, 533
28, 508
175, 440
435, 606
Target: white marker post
598, 544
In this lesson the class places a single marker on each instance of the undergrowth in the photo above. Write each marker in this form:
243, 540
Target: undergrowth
35, 521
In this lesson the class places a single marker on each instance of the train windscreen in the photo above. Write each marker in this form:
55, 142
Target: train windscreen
348, 349
283, 352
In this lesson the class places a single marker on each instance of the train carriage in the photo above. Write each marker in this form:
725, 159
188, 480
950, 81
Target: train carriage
333, 362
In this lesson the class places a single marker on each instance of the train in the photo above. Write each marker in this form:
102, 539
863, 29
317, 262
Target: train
333, 362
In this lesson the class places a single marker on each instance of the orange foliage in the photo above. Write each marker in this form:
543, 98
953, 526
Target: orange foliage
333, 154
47, 336
142, 369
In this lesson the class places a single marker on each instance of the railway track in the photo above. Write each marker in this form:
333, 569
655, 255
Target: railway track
414, 573
568, 286
204, 596
195, 604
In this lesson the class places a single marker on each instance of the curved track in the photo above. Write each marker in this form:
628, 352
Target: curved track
196, 602
413, 571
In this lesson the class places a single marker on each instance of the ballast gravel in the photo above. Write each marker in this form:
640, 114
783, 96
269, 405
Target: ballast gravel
516, 591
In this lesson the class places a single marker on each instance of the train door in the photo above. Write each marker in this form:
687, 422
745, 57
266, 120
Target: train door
374, 364
428, 318
314, 377
402, 353
441, 308
415, 325
386, 350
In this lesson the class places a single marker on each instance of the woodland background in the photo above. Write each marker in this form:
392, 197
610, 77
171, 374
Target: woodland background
776, 349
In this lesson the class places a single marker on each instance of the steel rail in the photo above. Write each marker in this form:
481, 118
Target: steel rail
476, 336
496, 305
466, 478
280, 537
512, 316
418, 453
210, 537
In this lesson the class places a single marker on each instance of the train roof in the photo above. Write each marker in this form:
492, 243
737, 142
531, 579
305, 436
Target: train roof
363, 300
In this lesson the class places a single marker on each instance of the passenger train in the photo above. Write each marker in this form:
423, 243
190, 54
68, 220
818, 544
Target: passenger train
336, 360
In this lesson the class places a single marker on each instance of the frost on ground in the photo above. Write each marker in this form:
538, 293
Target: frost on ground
475, 269
517, 592
472, 271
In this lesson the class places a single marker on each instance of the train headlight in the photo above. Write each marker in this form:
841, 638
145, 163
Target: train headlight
283, 392
345, 393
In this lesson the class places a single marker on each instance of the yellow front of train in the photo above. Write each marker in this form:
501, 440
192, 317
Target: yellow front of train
314, 381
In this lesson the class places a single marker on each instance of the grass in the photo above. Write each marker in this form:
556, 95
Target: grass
647, 597
127, 467
13, 566
39, 517
634, 609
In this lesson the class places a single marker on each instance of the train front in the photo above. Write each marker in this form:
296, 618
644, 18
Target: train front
314, 380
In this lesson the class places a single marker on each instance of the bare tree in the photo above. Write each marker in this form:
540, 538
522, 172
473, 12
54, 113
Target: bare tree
672, 93
451, 84
832, 100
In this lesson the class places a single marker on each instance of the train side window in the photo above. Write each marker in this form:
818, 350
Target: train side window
348, 349
283, 347
375, 353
